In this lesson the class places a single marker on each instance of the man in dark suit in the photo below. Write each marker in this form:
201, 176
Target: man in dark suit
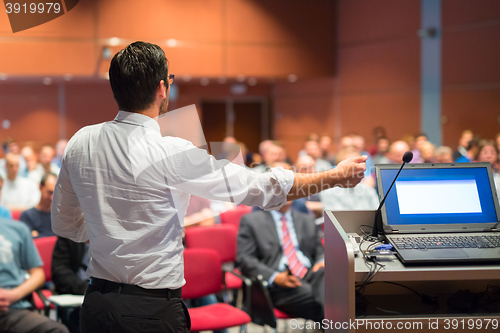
290, 258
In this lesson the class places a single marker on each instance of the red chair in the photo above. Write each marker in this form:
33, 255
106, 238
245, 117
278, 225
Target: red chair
45, 247
234, 215
203, 275
221, 238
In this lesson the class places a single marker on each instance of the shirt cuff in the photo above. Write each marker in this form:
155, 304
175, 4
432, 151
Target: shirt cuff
271, 279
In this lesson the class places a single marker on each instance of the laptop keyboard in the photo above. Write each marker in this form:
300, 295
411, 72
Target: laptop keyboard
446, 242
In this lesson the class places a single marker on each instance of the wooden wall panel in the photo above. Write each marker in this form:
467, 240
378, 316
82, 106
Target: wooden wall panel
477, 110
366, 20
465, 12
380, 66
32, 112
281, 22
301, 108
88, 103
194, 20
47, 58
399, 113
470, 56
211, 36
279, 61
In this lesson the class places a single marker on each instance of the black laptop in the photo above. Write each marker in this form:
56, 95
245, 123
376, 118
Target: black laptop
441, 213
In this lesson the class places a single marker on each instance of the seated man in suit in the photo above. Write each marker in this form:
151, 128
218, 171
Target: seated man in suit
285, 248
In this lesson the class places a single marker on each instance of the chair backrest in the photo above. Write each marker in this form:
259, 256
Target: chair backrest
45, 247
221, 238
234, 215
202, 272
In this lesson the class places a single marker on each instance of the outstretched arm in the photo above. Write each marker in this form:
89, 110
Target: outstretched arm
347, 173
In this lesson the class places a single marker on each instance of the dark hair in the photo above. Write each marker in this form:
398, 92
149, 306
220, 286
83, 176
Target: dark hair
135, 73
45, 177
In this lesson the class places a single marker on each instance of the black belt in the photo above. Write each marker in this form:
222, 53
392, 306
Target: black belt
106, 286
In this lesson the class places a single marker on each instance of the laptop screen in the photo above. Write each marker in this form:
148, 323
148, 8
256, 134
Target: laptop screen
438, 194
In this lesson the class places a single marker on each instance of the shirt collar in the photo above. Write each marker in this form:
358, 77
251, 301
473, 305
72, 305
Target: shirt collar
277, 215
138, 119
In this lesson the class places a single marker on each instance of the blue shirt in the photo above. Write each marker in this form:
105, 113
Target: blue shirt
293, 237
5, 213
37, 220
18, 254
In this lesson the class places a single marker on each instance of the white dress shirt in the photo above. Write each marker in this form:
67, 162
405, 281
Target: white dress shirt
20, 193
125, 188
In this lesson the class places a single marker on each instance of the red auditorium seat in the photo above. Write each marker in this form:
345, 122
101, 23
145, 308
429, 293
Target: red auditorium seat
203, 275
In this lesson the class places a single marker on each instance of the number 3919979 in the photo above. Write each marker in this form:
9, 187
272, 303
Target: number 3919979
33, 8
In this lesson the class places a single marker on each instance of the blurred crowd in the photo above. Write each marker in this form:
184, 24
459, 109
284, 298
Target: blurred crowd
319, 153
27, 176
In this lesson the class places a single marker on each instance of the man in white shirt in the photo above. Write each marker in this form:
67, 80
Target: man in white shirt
125, 189
19, 193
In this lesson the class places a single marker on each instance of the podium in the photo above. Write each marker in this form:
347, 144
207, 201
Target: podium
343, 269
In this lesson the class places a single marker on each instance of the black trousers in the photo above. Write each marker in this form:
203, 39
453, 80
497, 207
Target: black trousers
306, 301
116, 311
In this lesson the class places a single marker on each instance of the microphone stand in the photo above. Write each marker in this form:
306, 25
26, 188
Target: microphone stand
378, 227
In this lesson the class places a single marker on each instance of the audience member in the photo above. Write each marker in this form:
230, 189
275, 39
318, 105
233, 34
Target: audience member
18, 193
497, 140
396, 151
69, 266
34, 170
300, 205
443, 154
359, 143
381, 149
420, 138
38, 217
47, 154
360, 197
45, 165
21, 274
270, 155
427, 152
4, 211
60, 147
488, 152
325, 145
263, 147
472, 150
198, 212
271, 241
463, 143
312, 149
11, 146
378, 133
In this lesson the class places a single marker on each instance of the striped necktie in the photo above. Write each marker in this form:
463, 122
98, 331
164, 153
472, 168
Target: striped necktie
290, 252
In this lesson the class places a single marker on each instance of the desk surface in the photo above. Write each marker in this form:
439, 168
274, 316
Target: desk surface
395, 271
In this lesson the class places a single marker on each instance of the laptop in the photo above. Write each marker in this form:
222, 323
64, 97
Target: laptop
441, 213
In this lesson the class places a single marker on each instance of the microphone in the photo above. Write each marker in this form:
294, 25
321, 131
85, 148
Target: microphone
377, 224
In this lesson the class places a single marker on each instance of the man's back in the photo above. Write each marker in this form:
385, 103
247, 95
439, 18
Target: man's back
130, 212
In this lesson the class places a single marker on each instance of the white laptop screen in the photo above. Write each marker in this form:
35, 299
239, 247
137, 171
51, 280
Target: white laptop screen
438, 196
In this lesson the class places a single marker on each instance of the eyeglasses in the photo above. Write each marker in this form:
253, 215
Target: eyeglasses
171, 78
